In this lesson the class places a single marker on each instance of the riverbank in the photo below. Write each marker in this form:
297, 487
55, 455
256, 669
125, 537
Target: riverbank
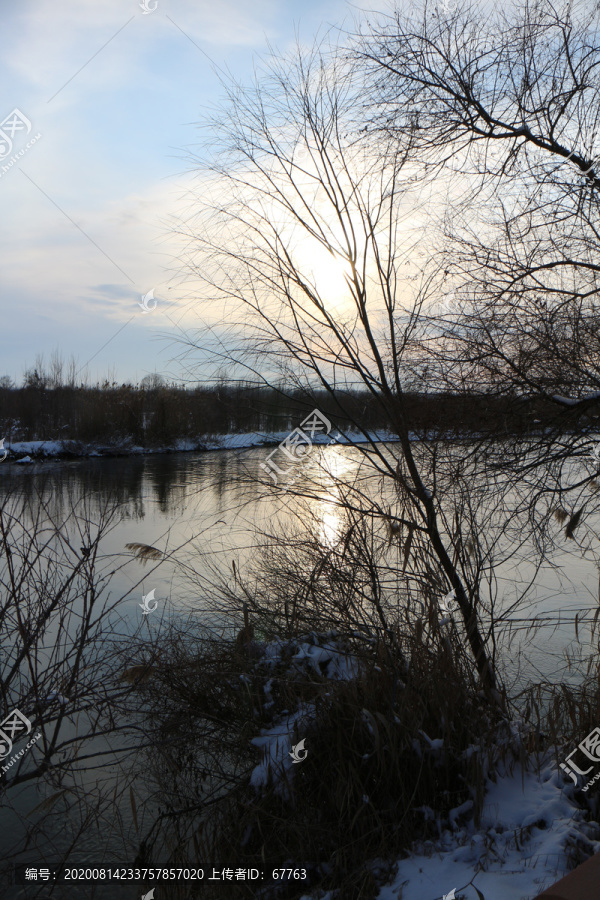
34, 451
363, 777
531, 829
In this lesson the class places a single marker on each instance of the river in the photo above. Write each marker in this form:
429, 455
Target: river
206, 508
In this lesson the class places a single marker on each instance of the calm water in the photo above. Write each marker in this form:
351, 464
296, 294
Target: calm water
204, 508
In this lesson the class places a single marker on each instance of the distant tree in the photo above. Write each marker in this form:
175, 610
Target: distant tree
72, 372
57, 366
33, 379
152, 381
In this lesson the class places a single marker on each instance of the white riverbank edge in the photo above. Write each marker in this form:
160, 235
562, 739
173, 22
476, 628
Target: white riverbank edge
31, 451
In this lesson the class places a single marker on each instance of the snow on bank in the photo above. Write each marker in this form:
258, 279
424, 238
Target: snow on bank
266, 439
76, 449
35, 448
519, 850
318, 654
529, 824
275, 744
19, 451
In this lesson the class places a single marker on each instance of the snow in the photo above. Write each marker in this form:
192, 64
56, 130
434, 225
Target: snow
276, 744
528, 823
49, 448
569, 401
327, 661
529, 819
245, 441
565, 401
263, 439
310, 653
519, 850
54, 695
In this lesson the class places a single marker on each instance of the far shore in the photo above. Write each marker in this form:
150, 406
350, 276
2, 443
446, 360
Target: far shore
35, 451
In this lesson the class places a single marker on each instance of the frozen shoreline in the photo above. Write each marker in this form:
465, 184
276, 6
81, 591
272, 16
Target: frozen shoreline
34, 451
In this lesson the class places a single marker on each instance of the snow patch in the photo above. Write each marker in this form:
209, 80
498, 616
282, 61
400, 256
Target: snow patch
519, 850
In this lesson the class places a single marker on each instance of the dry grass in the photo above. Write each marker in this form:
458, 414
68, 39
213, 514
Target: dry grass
144, 552
390, 754
372, 781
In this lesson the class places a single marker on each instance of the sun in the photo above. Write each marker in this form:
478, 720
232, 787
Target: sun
327, 273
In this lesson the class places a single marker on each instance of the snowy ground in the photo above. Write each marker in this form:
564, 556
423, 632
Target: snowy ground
319, 654
529, 820
519, 850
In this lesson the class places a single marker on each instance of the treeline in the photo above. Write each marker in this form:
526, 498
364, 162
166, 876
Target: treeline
155, 413
158, 414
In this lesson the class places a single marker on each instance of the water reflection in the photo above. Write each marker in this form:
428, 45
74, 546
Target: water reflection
330, 528
210, 504
333, 469
170, 482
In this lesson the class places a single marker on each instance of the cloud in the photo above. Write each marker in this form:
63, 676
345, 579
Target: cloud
50, 42
87, 209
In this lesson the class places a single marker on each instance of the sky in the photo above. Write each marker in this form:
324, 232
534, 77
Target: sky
100, 115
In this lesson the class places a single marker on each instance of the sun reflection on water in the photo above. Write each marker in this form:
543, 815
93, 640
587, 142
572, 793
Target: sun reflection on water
330, 528
333, 470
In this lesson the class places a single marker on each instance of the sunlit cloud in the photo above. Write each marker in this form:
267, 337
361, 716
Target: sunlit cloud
117, 96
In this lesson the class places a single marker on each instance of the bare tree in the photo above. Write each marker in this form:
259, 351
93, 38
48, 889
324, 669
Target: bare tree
511, 106
72, 369
508, 108
57, 366
152, 381
65, 667
299, 239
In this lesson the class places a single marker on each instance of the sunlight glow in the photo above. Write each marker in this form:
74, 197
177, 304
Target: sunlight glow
330, 531
327, 274
333, 468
